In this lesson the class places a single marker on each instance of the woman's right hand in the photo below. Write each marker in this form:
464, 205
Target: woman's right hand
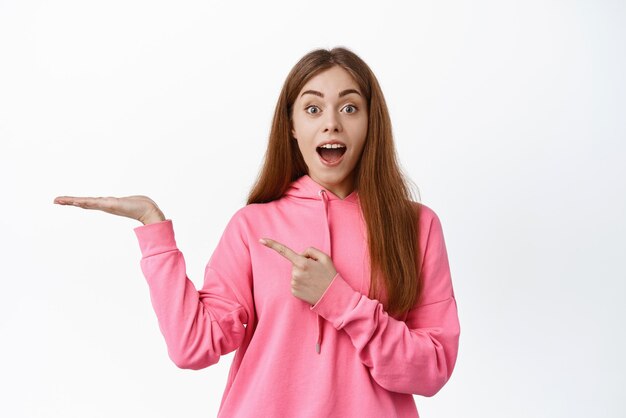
142, 208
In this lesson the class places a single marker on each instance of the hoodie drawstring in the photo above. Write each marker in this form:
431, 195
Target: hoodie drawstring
322, 193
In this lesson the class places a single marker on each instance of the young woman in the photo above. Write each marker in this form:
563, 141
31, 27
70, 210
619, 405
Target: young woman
332, 284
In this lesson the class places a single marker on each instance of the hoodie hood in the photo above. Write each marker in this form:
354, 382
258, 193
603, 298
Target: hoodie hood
306, 188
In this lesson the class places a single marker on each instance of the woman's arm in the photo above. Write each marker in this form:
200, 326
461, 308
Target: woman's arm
415, 356
198, 325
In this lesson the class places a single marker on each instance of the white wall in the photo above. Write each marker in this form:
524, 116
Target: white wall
508, 115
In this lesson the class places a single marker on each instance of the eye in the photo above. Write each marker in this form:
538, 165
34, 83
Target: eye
311, 107
351, 107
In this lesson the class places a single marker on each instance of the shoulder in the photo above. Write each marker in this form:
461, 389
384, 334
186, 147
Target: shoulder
426, 215
429, 224
253, 214
254, 210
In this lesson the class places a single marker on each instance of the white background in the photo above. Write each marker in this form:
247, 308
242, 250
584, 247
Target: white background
508, 115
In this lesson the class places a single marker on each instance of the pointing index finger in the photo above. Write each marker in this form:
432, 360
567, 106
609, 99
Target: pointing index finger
283, 250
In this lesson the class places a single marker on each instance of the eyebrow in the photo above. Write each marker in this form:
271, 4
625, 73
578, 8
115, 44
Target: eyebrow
341, 93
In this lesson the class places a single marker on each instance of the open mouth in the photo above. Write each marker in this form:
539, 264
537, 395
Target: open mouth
331, 153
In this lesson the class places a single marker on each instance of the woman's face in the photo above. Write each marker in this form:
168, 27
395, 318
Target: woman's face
330, 125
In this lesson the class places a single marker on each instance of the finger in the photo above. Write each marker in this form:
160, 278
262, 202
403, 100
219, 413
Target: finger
283, 250
85, 202
71, 200
315, 254
63, 200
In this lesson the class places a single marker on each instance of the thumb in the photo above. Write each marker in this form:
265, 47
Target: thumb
315, 254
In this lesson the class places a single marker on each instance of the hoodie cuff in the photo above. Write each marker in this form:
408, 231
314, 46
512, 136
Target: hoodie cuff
156, 238
338, 299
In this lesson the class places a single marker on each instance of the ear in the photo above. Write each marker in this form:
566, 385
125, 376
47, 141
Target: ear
293, 133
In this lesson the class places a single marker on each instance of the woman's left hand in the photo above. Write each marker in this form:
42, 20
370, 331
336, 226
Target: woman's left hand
311, 273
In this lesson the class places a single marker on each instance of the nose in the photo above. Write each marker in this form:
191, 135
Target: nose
332, 123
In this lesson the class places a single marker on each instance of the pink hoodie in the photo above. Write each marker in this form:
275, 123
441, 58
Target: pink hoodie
342, 357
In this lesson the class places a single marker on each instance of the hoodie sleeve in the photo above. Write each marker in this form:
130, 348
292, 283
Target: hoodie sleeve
198, 325
413, 356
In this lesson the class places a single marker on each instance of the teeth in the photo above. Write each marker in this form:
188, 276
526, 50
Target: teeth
329, 146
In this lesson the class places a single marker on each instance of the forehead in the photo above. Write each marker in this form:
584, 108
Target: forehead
331, 81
